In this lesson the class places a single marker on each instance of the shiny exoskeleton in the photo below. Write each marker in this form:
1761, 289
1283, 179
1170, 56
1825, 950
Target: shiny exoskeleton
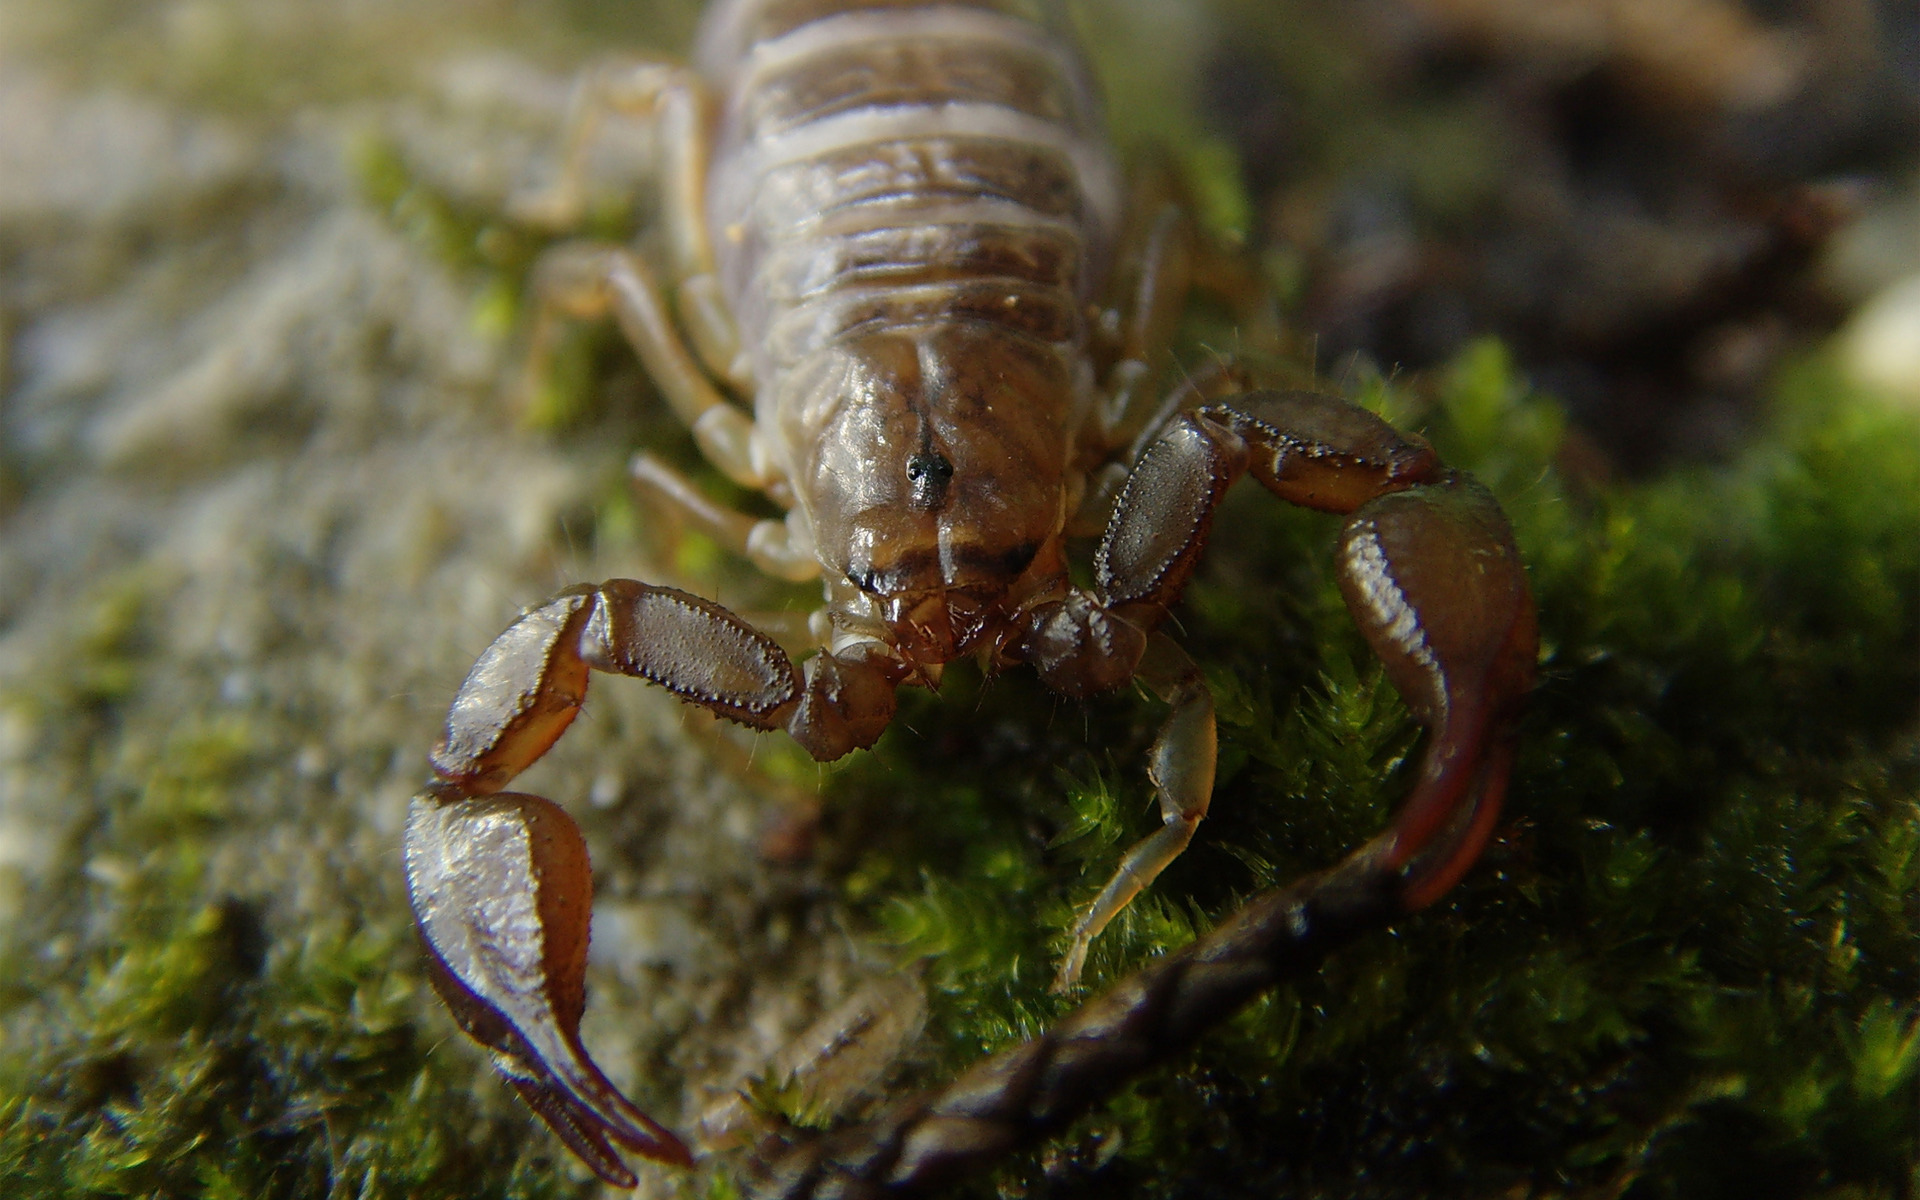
897, 229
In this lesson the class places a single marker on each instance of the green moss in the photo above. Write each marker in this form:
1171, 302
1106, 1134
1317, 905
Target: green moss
100, 651
196, 1061
1688, 964
157, 1038
570, 388
1686, 967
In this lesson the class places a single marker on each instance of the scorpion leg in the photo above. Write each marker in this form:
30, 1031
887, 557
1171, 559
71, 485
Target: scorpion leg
585, 280
1163, 258
1153, 283
1181, 766
500, 883
1430, 574
1159, 281
710, 327
675, 99
781, 548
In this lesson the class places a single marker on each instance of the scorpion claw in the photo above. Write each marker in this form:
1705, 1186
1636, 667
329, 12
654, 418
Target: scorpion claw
501, 890
1434, 581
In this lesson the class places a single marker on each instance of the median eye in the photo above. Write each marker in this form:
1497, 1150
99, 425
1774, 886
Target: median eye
929, 474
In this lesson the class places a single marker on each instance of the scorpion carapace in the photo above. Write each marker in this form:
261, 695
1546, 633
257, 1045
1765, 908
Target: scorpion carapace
894, 226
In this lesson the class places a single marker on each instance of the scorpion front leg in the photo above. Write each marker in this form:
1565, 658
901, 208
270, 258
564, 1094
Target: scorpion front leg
500, 882
1429, 571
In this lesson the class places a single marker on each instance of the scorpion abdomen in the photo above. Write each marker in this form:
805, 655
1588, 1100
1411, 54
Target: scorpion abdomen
912, 206
885, 166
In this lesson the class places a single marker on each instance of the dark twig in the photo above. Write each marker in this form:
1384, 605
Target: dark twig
1031, 1091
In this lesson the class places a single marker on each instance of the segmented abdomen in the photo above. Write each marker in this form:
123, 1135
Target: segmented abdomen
902, 163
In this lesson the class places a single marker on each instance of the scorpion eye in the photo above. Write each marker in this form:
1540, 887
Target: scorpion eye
929, 473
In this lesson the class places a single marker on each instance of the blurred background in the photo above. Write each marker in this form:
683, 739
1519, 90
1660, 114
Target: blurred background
1649, 201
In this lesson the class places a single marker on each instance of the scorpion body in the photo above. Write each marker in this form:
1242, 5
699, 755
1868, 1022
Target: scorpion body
897, 229
912, 207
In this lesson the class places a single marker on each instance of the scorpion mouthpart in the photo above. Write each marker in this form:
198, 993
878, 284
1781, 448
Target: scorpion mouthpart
939, 624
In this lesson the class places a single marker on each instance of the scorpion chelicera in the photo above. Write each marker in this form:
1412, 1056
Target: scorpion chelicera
897, 227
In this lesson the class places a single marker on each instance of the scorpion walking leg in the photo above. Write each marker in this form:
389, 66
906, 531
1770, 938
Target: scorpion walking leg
589, 279
500, 882
1163, 259
1181, 766
1159, 278
781, 548
1227, 273
922, 1143
675, 100
1156, 280
574, 278
710, 326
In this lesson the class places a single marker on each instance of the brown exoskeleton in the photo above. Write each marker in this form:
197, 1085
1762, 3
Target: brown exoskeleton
895, 227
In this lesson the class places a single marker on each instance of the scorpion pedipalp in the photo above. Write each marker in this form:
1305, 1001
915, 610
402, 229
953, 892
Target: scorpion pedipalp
1433, 580
1431, 576
502, 890
501, 887
500, 883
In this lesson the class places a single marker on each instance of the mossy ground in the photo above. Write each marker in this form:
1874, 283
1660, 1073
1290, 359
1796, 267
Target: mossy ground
1688, 966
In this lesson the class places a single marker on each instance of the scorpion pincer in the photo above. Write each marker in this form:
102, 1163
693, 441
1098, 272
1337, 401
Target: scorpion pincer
898, 230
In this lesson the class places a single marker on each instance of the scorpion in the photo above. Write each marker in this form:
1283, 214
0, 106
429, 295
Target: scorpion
897, 228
